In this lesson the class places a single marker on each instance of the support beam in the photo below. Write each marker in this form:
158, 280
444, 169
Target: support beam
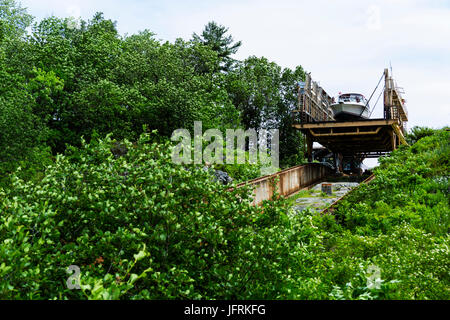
357, 133
309, 147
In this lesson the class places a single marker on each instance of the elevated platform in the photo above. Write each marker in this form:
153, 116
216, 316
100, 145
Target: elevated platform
369, 138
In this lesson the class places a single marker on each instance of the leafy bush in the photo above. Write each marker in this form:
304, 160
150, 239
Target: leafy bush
138, 226
399, 223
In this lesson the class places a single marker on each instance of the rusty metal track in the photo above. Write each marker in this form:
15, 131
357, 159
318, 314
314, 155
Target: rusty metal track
289, 181
332, 206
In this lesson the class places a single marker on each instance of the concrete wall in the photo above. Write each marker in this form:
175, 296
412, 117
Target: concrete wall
289, 181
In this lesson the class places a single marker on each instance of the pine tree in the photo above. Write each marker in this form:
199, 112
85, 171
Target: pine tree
214, 36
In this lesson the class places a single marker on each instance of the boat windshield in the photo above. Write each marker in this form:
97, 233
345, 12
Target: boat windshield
358, 98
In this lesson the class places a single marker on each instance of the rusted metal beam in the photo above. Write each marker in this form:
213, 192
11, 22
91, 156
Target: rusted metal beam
361, 123
399, 134
334, 134
287, 181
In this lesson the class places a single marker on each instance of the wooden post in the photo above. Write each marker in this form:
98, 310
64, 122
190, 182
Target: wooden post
341, 160
309, 146
387, 106
335, 155
394, 140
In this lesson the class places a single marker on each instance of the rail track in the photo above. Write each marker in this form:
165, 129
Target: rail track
290, 181
332, 206
287, 182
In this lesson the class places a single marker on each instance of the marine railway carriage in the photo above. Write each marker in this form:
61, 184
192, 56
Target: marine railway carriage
351, 138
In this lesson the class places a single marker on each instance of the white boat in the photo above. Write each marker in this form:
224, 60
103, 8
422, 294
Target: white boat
350, 106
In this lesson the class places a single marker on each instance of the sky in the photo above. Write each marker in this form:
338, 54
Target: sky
345, 44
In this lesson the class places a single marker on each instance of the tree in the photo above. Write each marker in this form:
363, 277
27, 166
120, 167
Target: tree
418, 133
215, 37
13, 19
114, 84
265, 95
291, 140
22, 133
20, 130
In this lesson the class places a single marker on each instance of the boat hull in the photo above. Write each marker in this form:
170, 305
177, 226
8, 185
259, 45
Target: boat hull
349, 111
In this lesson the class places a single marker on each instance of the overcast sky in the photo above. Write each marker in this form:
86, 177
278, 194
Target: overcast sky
345, 44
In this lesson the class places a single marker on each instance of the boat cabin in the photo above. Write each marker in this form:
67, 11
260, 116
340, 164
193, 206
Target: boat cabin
352, 98
350, 106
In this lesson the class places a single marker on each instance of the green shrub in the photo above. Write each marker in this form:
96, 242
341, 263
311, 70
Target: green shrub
398, 223
141, 227
98, 210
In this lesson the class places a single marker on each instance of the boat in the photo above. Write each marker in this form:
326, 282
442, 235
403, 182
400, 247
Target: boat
350, 106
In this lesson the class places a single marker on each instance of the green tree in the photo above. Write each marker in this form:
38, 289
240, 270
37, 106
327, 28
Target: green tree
214, 36
20, 130
13, 20
265, 95
291, 140
118, 84
417, 133
22, 133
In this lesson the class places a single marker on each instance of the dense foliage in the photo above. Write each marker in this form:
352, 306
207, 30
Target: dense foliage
399, 223
62, 81
141, 227
138, 226
417, 133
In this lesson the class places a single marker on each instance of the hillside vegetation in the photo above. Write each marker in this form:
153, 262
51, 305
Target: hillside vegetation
87, 179
139, 226
397, 224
